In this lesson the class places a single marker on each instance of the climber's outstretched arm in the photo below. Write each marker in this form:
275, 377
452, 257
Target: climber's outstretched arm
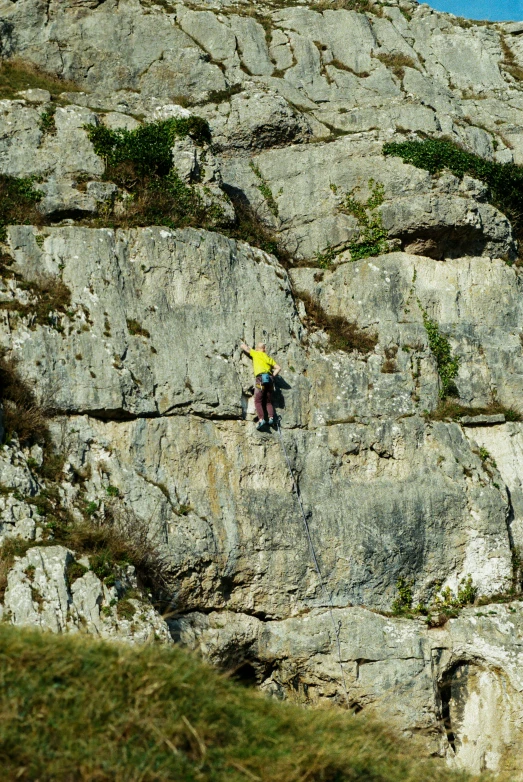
245, 348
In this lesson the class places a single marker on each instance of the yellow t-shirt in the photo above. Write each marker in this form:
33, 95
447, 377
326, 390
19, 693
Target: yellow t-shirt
261, 362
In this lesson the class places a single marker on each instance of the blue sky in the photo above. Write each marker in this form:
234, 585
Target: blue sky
494, 10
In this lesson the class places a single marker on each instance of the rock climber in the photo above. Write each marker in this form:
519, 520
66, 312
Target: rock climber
265, 370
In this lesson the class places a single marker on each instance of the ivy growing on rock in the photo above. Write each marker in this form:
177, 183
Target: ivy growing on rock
505, 180
372, 237
447, 364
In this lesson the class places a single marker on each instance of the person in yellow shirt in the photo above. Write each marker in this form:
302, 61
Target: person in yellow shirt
265, 369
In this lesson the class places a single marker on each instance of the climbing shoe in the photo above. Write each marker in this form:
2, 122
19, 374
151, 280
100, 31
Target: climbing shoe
260, 425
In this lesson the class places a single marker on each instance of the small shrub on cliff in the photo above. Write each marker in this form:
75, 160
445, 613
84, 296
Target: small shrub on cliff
18, 200
140, 162
372, 237
146, 151
447, 364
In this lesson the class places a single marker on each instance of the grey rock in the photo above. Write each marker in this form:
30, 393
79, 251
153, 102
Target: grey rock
465, 699
36, 95
39, 594
482, 420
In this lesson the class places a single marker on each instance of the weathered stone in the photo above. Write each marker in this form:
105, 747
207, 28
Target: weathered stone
482, 420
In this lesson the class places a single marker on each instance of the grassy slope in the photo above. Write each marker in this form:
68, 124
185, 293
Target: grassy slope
75, 709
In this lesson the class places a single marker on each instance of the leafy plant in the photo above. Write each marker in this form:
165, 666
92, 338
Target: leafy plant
403, 603
449, 603
147, 148
372, 237
505, 180
264, 189
140, 161
47, 122
447, 364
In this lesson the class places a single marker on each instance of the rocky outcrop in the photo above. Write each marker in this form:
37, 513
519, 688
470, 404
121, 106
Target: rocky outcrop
151, 398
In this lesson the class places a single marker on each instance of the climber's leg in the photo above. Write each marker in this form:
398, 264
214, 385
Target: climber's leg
268, 402
258, 403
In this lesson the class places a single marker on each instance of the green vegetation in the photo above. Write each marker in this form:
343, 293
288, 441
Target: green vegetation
453, 410
505, 180
17, 75
140, 162
445, 604
447, 364
18, 200
159, 714
343, 334
47, 123
146, 150
372, 238
264, 189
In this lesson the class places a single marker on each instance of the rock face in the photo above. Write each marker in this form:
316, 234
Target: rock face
151, 396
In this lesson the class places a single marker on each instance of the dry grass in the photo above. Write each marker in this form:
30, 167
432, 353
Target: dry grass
397, 63
509, 62
453, 410
343, 334
23, 414
17, 75
76, 709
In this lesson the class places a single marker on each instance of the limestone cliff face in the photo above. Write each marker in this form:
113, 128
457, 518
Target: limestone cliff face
150, 392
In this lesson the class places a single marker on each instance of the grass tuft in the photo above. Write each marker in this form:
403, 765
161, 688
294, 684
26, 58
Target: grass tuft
160, 714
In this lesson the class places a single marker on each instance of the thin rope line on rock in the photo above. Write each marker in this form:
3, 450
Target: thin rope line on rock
326, 594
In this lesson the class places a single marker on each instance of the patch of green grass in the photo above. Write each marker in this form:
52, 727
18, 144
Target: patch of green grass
17, 75
505, 180
160, 715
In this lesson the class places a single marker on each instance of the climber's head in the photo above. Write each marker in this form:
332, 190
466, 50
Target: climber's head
261, 347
